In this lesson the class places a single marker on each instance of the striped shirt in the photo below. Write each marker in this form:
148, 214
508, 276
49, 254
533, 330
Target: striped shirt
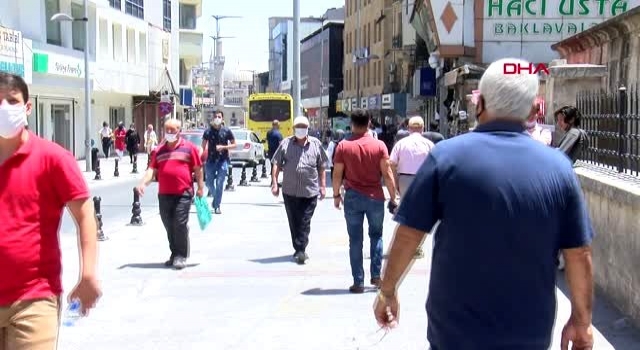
174, 167
300, 166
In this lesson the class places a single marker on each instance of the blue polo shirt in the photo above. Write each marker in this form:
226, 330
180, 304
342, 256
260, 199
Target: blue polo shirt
506, 204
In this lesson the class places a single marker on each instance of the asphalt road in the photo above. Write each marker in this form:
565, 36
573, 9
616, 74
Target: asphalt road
117, 199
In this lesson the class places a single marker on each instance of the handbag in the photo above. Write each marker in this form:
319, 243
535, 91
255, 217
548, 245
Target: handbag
203, 211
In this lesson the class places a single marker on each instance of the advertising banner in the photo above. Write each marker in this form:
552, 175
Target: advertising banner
313, 56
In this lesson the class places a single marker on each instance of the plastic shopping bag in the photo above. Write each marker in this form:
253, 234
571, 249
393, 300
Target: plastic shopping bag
204, 212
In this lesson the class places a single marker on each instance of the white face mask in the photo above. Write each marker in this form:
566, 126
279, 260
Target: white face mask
301, 132
217, 121
171, 137
13, 118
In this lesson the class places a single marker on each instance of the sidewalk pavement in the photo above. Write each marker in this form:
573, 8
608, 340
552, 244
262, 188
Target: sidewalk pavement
107, 168
241, 291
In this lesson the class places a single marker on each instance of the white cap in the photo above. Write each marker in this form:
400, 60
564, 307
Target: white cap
301, 121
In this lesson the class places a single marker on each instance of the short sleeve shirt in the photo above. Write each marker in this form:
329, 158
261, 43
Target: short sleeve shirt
361, 156
409, 153
215, 137
507, 204
301, 165
36, 183
175, 167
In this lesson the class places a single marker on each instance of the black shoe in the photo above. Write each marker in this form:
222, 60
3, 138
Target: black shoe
169, 262
179, 263
356, 289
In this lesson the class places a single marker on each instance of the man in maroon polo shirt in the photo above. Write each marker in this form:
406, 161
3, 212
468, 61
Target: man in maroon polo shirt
38, 178
360, 162
172, 163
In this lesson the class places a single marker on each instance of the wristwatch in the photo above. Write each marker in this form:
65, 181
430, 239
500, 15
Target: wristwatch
337, 195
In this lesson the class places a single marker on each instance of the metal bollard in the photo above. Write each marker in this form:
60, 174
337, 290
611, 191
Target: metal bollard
98, 214
136, 219
243, 177
230, 186
116, 170
264, 171
134, 169
98, 176
254, 173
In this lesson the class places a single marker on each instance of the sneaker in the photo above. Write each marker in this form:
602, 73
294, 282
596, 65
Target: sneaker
217, 211
375, 281
301, 258
179, 263
356, 289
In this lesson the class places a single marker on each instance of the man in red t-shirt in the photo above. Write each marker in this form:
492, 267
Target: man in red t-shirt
172, 163
38, 179
359, 162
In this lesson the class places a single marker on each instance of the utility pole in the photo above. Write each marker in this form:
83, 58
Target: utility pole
321, 65
217, 70
296, 59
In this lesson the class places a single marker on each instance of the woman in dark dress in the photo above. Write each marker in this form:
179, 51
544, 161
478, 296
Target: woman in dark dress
132, 140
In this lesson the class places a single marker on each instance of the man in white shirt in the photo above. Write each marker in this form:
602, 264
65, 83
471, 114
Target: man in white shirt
105, 137
150, 139
407, 156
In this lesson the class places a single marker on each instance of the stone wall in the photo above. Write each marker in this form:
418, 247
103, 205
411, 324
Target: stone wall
614, 205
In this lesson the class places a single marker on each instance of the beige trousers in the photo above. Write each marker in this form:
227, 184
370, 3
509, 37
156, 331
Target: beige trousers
30, 325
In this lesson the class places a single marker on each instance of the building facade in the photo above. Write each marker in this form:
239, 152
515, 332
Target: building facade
121, 62
377, 74
281, 49
321, 57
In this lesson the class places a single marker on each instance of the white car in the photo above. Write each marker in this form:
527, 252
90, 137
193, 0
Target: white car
249, 148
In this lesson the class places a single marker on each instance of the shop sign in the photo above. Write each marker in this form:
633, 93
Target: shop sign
47, 63
374, 102
547, 20
363, 103
11, 43
387, 101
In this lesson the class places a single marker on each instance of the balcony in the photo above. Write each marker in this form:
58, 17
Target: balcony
190, 11
191, 47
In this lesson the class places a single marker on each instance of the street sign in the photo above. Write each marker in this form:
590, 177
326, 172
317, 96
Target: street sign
165, 108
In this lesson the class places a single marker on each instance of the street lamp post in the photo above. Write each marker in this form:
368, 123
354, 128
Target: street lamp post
63, 17
296, 59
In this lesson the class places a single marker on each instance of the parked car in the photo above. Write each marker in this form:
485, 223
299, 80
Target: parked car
249, 149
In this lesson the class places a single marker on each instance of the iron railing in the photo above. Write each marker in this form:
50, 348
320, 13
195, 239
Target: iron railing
612, 122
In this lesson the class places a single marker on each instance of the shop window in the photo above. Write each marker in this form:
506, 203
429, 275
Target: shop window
187, 16
54, 33
77, 27
103, 32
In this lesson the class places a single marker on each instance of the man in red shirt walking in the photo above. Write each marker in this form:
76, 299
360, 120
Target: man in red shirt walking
173, 163
359, 162
30, 212
120, 134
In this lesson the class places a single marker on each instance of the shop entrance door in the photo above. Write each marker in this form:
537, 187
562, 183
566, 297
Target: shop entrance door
61, 125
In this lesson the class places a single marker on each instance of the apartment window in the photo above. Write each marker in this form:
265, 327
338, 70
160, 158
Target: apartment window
54, 34
103, 29
134, 8
116, 4
116, 31
187, 16
166, 15
142, 43
77, 27
131, 45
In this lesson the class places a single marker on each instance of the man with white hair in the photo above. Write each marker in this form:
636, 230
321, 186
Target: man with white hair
407, 156
506, 206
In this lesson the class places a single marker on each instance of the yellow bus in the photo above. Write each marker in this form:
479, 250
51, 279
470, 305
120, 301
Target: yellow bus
264, 108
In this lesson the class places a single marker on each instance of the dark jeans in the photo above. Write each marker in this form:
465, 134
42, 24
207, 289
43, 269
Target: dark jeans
174, 212
299, 212
356, 207
106, 146
216, 173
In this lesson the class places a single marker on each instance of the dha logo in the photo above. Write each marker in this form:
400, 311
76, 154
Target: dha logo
516, 68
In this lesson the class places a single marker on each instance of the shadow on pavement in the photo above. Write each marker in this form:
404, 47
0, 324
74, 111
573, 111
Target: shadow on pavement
258, 204
613, 325
150, 266
320, 291
274, 260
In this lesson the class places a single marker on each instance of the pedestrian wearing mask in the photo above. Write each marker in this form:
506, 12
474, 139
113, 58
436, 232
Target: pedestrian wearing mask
106, 136
120, 136
133, 142
359, 163
216, 143
173, 164
506, 205
31, 211
303, 162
